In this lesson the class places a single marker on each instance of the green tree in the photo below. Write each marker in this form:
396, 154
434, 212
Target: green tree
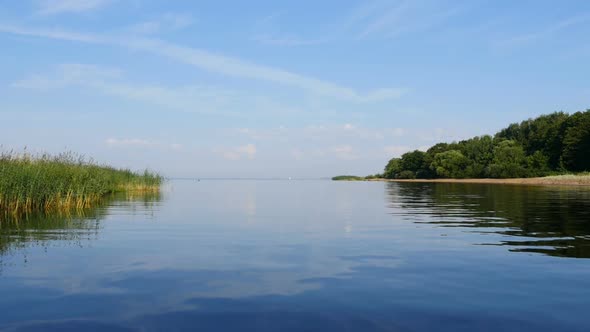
576, 143
534, 147
418, 163
538, 164
438, 148
509, 160
544, 133
450, 164
406, 175
392, 169
413, 161
479, 151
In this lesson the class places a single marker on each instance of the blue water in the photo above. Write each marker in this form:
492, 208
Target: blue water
221, 255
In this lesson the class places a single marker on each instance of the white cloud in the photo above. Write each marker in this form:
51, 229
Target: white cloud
268, 39
177, 21
176, 146
248, 150
125, 142
325, 133
166, 22
109, 81
238, 68
344, 149
140, 143
547, 31
345, 152
396, 150
54, 7
398, 131
53, 33
439, 135
269, 33
383, 94
236, 153
382, 18
297, 154
220, 64
68, 75
390, 19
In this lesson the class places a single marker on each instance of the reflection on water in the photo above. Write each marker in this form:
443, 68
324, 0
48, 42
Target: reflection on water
304, 256
548, 220
74, 228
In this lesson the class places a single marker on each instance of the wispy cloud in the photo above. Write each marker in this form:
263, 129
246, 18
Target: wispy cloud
140, 143
110, 81
236, 153
323, 133
68, 75
53, 33
54, 7
269, 39
396, 150
269, 32
116, 142
379, 18
221, 64
388, 19
345, 152
383, 94
297, 154
166, 22
236, 67
439, 135
547, 31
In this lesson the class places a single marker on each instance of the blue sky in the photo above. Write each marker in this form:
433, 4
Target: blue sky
278, 89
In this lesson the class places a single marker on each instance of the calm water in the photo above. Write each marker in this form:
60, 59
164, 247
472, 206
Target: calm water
306, 256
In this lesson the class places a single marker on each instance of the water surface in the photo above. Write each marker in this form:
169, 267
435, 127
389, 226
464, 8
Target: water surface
305, 256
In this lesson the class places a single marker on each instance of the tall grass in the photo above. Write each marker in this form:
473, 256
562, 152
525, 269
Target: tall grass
66, 181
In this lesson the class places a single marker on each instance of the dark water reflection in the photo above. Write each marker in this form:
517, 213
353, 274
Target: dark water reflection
541, 219
304, 256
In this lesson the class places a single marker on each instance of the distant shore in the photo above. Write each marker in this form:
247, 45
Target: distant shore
559, 180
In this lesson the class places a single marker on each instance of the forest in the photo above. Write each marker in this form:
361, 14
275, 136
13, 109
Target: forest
549, 144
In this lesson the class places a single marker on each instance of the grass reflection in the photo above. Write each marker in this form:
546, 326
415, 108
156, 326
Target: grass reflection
73, 227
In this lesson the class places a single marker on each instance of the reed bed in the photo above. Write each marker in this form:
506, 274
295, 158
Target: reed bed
66, 181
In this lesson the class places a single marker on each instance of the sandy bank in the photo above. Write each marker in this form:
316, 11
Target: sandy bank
561, 180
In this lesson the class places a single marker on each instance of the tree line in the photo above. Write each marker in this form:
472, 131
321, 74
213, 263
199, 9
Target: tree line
549, 144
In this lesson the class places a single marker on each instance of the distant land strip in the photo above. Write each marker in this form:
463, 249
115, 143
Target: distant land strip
558, 180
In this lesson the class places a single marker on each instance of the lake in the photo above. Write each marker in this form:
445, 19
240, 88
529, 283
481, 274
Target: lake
305, 255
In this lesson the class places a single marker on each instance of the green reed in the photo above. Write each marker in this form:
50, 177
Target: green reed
66, 181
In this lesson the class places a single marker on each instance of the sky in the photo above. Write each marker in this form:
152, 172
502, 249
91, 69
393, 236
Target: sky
302, 89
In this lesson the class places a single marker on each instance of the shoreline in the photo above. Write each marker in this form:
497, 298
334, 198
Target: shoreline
564, 180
